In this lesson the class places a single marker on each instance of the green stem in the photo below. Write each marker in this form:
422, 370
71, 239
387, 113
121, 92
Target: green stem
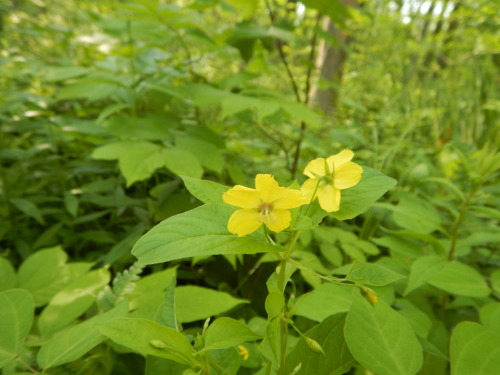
458, 223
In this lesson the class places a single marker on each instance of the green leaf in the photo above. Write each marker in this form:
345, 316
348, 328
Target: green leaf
205, 190
381, 339
372, 274
335, 9
8, 277
72, 301
55, 74
144, 128
137, 160
244, 8
275, 302
17, 310
71, 203
324, 301
490, 316
415, 214
197, 303
474, 350
460, 279
330, 335
148, 337
44, 274
495, 280
72, 343
199, 232
422, 269
207, 153
182, 162
29, 208
226, 332
356, 200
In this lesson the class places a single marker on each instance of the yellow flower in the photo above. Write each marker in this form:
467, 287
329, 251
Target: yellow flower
243, 352
328, 176
267, 204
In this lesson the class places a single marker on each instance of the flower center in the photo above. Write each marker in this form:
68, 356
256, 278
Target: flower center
325, 180
266, 215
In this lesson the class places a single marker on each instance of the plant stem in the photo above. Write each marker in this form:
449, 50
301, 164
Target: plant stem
458, 223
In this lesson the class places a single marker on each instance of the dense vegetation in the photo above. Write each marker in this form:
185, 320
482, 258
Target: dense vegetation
125, 123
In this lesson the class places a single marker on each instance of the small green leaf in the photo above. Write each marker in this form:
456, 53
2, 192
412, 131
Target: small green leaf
17, 310
29, 208
372, 274
226, 332
71, 203
490, 316
275, 302
197, 303
199, 232
205, 190
148, 337
381, 339
474, 350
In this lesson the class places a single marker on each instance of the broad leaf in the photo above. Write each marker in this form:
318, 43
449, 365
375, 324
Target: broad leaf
460, 279
381, 339
44, 274
329, 334
356, 200
16, 317
74, 342
196, 303
148, 337
474, 350
199, 232
324, 301
422, 269
205, 190
372, 274
226, 332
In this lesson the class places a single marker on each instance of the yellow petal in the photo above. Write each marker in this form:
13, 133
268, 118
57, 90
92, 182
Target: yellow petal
337, 160
347, 175
288, 198
308, 188
267, 186
329, 198
315, 168
244, 222
280, 219
241, 196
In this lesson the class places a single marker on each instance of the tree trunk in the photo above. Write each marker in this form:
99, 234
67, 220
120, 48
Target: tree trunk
330, 63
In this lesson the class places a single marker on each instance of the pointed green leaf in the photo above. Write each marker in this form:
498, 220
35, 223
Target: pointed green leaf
199, 232
329, 334
72, 343
148, 337
381, 339
460, 279
205, 190
197, 303
422, 269
226, 332
8, 277
372, 274
29, 208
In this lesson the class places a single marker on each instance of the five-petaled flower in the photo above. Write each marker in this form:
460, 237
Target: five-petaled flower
267, 204
328, 176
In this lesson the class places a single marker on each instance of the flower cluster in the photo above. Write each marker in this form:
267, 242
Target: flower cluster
269, 203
